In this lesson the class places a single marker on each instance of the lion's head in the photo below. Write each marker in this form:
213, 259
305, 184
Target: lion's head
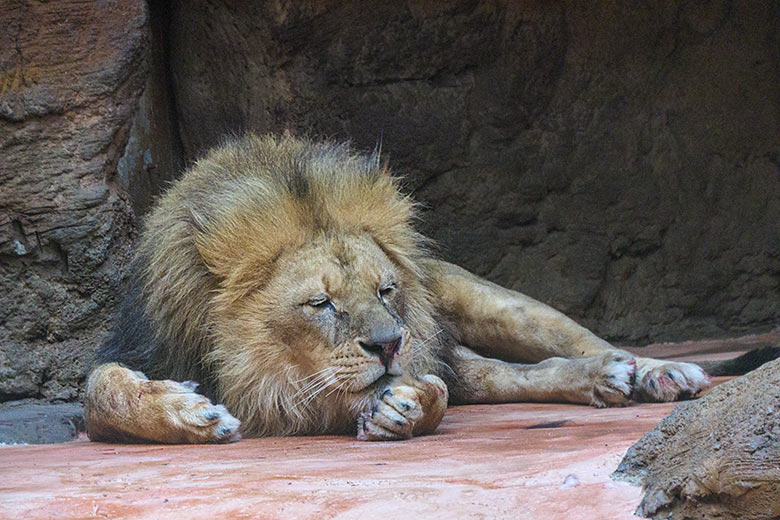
292, 271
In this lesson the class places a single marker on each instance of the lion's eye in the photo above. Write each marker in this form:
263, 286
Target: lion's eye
386, 291
321, 302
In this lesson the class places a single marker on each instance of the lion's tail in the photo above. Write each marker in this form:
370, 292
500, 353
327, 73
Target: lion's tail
742, 364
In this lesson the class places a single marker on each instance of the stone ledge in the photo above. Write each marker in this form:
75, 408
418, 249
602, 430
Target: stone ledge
33, 422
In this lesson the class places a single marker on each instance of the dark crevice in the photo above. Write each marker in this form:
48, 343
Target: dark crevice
16, 224
62, 254
6, 397
161, 16
548, 425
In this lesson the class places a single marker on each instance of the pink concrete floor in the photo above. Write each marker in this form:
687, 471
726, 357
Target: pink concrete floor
483, 462
536, 461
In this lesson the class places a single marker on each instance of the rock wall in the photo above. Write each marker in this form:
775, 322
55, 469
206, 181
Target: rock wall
618, 161
84, 141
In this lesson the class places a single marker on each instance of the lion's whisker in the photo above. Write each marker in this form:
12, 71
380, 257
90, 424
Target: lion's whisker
429, 339
337, 387
316, 391
419, 346
305, 388
312, 375
448, 367
321, 376
308, 386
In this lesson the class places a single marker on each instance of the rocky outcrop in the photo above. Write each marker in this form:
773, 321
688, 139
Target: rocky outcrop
715, 457
617, 161
77, 85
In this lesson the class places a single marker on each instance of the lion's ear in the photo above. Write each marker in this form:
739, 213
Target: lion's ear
236, 250
236, 271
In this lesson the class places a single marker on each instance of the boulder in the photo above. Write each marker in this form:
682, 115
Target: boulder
715, 457
81, 148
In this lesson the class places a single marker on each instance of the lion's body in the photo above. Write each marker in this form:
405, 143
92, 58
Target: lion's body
286, 278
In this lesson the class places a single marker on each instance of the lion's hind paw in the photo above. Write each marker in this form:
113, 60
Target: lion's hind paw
663, 381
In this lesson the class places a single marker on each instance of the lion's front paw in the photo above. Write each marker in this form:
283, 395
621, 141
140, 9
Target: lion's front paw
403, 411
614, 374
662, 381
191, 417
392, 417
122, 405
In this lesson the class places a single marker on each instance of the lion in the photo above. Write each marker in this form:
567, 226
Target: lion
286, 277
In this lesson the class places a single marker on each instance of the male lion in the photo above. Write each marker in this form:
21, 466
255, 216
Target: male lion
286, 278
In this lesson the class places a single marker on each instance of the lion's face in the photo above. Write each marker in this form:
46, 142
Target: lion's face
286, 271
334, 311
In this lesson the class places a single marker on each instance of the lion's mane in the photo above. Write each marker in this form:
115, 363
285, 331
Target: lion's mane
214, 237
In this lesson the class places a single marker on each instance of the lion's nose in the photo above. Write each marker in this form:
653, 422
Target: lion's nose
385, 346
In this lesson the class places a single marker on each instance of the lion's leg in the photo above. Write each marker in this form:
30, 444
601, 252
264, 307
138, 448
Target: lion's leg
501, 323
123, 406
504, 324
602, 380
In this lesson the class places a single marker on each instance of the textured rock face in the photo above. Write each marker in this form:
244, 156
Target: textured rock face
76, 87
715, 457
617, 161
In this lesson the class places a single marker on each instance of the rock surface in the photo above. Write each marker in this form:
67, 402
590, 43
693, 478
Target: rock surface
35, 423
79, 150
619, 162
497, 462
715, 457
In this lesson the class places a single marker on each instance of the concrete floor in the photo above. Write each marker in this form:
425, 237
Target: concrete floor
536, 461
